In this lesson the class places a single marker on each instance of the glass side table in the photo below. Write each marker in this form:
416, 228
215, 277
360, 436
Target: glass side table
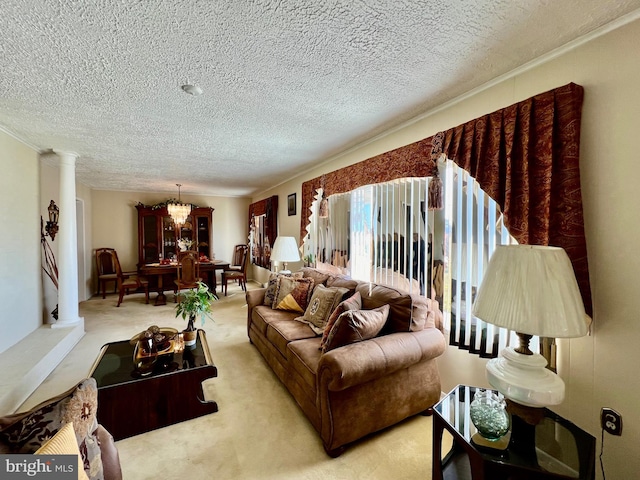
555, 448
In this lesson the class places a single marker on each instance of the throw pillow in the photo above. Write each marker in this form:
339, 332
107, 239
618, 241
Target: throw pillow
25, 432
272, 285
354, 302
64, 443
317, 276
292, 294
355, 326
322, 303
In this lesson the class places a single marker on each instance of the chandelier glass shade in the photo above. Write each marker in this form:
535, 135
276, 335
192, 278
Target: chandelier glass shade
179, 211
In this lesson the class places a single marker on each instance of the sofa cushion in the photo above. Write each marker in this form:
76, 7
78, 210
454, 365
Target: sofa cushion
354, 302
272, 285
355, 326
281, 332
304, 358
64, 443
293, 294
323, 302
408, 313
26, 432
261, 316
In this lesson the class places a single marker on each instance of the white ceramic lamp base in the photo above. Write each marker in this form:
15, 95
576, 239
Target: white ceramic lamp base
524, 379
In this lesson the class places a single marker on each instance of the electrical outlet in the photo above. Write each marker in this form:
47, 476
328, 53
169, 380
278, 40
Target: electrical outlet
611, 421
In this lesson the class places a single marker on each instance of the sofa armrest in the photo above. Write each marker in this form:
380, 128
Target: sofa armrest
255, 297
368, 360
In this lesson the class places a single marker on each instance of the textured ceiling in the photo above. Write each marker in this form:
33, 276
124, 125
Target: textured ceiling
287, 83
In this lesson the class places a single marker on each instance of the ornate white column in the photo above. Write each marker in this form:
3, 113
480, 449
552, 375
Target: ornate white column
68, 245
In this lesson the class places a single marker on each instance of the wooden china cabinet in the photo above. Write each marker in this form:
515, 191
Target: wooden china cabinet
158, 235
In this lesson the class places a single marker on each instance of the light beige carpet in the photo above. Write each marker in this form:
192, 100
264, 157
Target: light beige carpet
259, 431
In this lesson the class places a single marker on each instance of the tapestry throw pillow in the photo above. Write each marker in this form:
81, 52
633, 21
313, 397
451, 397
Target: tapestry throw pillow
354, 302
27, 431
355, 326
64, 443
323, 302
272, 285
292, 294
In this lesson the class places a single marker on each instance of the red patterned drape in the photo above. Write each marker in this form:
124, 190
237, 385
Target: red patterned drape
268, 207
526, 157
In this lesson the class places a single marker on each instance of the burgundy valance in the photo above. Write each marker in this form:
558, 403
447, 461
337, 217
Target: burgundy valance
525, 156
409, 161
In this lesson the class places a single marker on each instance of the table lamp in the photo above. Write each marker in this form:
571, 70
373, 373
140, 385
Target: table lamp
531, 290
285, 249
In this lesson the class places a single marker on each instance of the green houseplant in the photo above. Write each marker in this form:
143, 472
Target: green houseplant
193, 303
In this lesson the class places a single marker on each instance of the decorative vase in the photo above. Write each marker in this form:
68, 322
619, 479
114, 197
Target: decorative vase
489, 414
145, 356
189, 337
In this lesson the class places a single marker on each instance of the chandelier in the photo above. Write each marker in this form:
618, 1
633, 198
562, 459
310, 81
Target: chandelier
179, 211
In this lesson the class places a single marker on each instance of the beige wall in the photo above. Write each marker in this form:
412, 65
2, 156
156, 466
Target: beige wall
20, 292
115, 222
601, 369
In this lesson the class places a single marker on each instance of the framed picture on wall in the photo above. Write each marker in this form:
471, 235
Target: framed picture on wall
291, 204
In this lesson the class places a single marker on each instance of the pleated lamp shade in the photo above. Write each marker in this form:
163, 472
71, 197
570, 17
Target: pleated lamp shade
285, 249
532, 289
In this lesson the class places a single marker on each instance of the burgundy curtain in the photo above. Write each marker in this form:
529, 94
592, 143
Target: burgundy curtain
268, 207
526, 157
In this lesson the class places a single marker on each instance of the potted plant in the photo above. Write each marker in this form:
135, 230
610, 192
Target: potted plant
193, 303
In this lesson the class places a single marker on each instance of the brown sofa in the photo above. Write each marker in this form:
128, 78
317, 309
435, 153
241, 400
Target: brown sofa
362, 387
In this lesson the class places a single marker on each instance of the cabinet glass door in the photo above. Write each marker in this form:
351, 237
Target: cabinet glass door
203, 235
150, 247
168, 237
186, 231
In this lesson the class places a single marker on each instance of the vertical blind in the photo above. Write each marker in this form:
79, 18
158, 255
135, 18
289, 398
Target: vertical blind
376, 233
473, 227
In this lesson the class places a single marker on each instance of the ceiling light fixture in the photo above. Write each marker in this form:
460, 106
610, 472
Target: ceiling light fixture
192, 90
179, 211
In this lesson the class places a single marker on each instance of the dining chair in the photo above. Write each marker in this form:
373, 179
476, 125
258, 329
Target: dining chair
188, 272
239, 275
238, 257
128, 282
106, 260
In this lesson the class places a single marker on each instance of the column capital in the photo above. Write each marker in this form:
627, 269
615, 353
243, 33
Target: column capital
66, 155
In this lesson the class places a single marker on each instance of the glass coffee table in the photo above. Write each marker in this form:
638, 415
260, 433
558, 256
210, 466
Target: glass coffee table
130, 403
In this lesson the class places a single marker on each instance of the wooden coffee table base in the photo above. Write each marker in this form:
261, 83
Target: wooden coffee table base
139, 405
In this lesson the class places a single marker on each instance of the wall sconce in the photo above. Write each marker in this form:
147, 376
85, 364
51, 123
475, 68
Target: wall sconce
52, 225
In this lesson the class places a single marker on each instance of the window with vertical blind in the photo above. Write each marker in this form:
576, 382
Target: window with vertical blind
386, 234
379, 233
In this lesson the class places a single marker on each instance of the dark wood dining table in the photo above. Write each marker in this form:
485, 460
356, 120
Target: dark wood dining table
161, 276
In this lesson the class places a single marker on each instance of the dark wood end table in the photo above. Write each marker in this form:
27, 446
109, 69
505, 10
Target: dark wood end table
558, 450
130, 404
